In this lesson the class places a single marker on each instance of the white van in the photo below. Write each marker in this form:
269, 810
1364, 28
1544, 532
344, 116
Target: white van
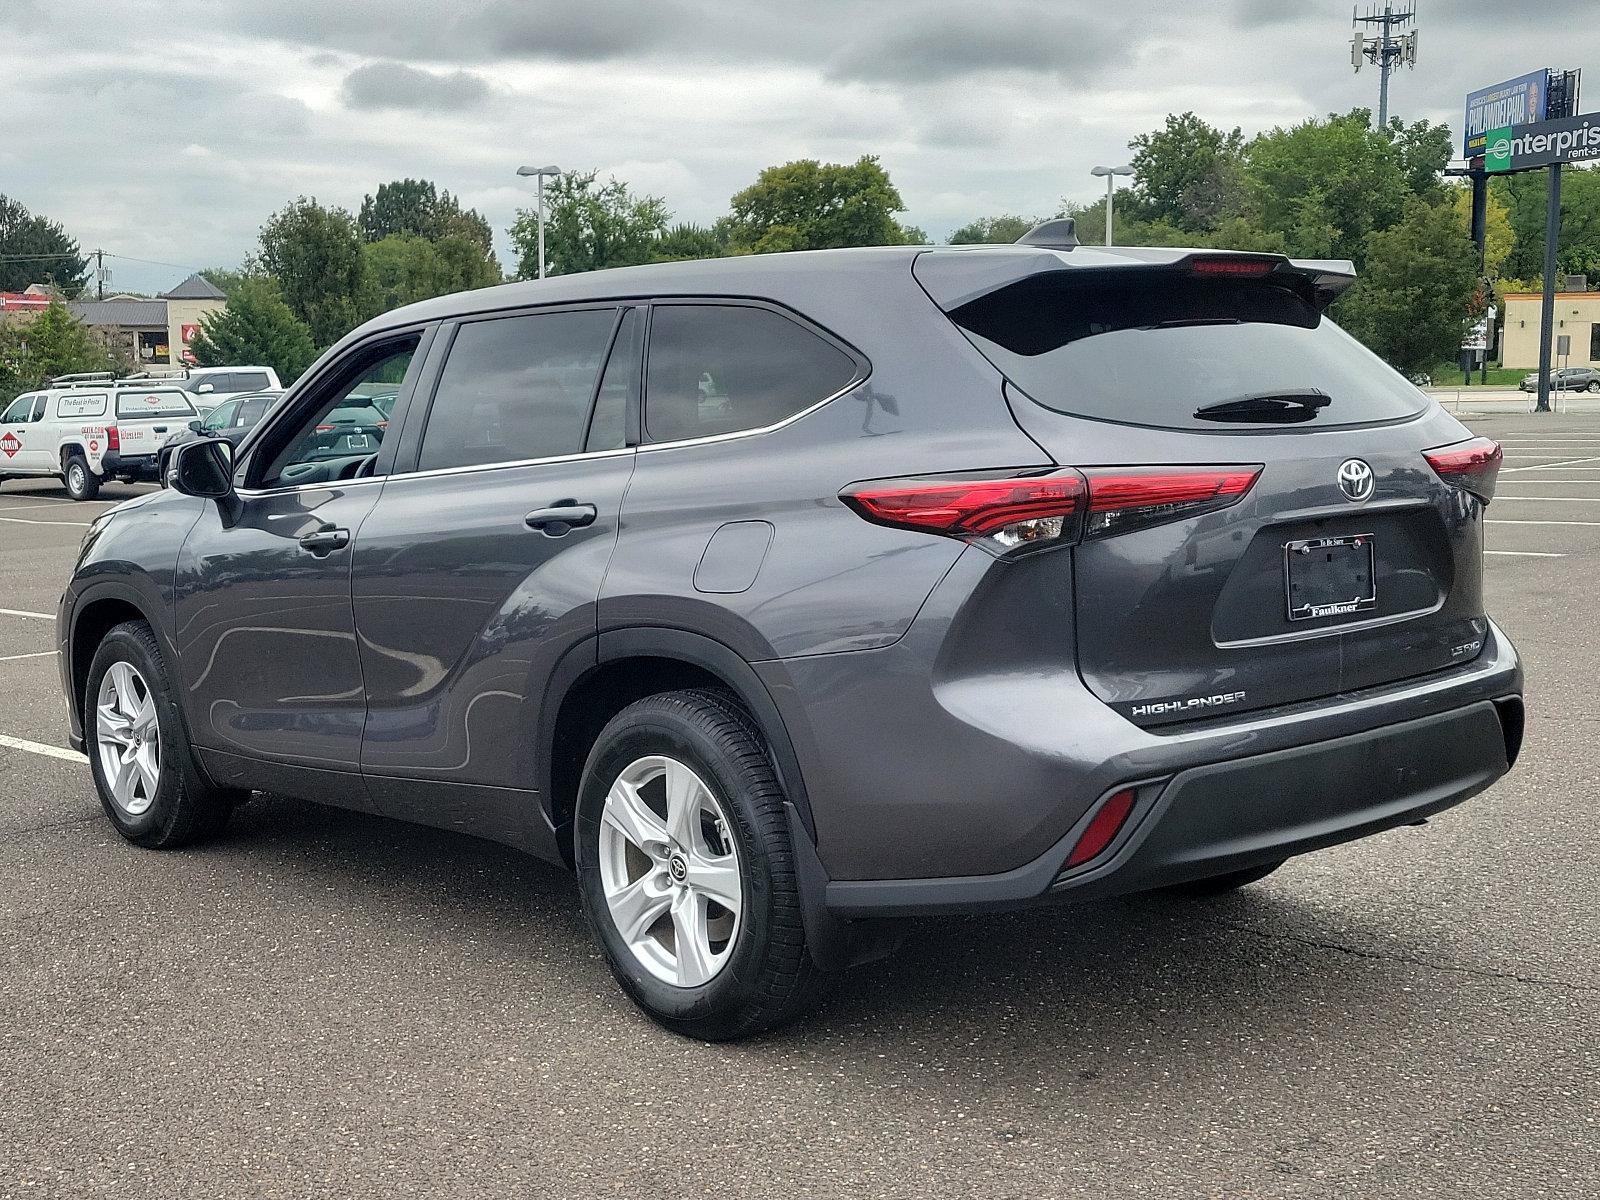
85, 432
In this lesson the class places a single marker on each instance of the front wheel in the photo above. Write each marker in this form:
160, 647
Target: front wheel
1594, 385
139, 750
686, 869
82, 483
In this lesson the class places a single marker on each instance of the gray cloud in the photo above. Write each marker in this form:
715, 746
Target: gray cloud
960, 41
382, 85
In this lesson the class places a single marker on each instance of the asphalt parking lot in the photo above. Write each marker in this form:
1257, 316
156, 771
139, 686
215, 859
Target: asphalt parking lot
326, 1003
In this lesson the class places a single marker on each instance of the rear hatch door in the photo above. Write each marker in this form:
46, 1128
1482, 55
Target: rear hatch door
1348, 562
146, 418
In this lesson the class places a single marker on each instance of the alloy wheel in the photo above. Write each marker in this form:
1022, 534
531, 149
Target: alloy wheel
128, 738
670, 871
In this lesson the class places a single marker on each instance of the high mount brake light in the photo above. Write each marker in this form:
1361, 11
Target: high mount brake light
1235, 267
1033, 512
1472, 466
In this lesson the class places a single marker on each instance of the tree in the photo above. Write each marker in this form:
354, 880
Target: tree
1524, 196
314, 253
53, 343
36, 250
1413, 303
406, 206
687, 240
403, 268
1187, 174
256, 327
588, 227
1498, 235
995, 230
1326, 184
807, 205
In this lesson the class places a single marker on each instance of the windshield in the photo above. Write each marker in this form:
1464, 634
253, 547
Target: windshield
1153, 348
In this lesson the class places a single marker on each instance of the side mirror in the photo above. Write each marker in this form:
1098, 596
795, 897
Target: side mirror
206, 389
203, 468
194, 426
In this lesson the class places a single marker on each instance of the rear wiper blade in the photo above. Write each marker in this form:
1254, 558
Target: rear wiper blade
1190, 322
1268, 408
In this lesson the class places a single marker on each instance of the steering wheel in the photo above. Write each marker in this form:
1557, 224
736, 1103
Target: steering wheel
367, 467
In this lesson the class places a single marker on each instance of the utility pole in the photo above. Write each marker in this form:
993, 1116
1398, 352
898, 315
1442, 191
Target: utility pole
100, 274
1386, 49
539, 173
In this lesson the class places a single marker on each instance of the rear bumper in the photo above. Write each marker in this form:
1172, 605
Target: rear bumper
129, 466
1214, 818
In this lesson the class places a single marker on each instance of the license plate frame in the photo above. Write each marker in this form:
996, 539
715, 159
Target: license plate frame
1329, 576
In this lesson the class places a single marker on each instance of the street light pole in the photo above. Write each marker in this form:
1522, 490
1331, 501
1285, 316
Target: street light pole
539, 173
1111, 174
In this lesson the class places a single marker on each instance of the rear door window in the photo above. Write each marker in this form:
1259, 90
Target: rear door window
248, 381
135, 405
516, 388
1153, 347
723, 368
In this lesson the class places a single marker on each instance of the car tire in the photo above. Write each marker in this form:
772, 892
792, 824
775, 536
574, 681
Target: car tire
707, 748
82, 483
1217, 885
131, 720
1594, 385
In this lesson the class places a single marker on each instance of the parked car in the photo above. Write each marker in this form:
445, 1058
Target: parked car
230, 420
86, 431
1566, 379
208, 385
781, 594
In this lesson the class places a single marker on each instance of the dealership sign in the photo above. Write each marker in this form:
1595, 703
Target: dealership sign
1519, 101
1519, 148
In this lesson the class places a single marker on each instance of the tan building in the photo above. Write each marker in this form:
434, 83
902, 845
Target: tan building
1577, 317
152, 333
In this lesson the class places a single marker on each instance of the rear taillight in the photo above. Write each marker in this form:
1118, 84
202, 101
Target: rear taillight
1007, 512
1472, 466
1123, 499
113, 438
1034, 512
1102, 828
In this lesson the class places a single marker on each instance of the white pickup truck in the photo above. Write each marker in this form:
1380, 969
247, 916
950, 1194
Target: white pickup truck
86, 433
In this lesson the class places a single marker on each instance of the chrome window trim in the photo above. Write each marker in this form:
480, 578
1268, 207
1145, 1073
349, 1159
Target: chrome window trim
646, 447
437, 472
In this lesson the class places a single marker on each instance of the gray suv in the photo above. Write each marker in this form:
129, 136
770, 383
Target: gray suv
780, 596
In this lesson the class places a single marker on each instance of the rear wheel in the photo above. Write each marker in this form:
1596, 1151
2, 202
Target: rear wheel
1218, 884
82, 483
686, 869
139, 750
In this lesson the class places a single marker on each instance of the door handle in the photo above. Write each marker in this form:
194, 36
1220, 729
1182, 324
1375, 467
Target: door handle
160, 429
325, 541
558, 518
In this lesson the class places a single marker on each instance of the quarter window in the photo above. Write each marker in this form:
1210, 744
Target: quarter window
516, 388
716, 368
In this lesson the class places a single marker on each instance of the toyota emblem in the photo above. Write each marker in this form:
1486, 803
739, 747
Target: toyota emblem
1355, 480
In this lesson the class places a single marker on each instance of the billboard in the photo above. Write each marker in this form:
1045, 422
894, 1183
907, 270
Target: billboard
1519, 101
1520, 148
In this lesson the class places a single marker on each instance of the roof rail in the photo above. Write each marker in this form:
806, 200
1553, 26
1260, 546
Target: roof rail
1059, 234
99, 377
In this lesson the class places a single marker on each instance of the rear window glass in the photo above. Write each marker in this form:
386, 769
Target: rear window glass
1154, 348
171, 403
721, 369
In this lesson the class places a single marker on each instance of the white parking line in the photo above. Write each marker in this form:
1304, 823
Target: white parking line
1546, 466
22, 612
35, 654
40, 748
1526, 553
26, 521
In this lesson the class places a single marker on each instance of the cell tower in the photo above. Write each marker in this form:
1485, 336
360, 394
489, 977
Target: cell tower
1377, 40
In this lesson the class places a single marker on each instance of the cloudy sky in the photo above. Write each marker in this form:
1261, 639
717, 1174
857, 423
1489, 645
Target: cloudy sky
168, 130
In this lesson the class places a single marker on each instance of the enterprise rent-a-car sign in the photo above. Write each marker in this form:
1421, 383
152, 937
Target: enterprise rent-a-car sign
1573, 139
1518, 101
